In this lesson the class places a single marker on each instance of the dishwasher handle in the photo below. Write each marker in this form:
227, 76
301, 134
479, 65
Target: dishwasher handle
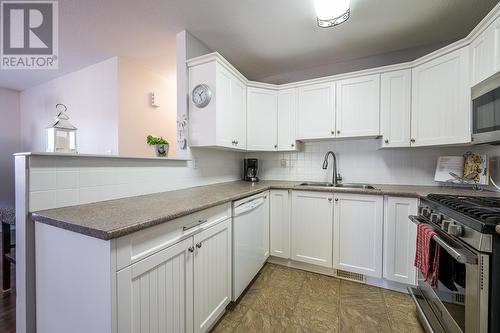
249, 206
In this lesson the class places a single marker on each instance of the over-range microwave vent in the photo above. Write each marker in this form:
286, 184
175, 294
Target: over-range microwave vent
356, 277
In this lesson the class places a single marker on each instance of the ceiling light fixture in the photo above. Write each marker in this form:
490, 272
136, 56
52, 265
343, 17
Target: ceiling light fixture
332, 12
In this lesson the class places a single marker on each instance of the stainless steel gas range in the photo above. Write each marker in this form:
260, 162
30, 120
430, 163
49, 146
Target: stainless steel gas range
467, 295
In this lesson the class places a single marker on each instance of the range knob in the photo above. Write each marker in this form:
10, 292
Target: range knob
436, 218
455, 230
425, 212
445, 224
497, 229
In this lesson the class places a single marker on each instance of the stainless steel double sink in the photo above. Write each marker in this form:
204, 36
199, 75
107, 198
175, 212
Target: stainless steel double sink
343, 185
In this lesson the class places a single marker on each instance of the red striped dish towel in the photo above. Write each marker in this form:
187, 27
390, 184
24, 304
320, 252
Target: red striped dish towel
427, 253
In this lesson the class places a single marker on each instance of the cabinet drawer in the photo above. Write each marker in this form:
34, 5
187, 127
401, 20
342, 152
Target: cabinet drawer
141, 244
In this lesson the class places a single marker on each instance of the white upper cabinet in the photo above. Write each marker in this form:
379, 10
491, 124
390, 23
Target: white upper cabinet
262, 119
441, 99
221, 123
279, 213
358, 233
400, 236
358, 106
239, 113
481, 51
395, 113
496, 44
287, 119
311, 239
316, 113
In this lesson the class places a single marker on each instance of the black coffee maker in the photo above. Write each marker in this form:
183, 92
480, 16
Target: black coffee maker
250, 169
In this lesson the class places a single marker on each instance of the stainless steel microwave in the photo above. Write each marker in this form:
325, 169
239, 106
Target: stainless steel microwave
486, 111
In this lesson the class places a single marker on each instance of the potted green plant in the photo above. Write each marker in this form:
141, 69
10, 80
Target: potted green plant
161, 145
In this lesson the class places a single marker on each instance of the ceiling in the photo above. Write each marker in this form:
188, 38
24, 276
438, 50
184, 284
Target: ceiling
263, 39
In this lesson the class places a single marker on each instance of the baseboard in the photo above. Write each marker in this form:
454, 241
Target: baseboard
376, 282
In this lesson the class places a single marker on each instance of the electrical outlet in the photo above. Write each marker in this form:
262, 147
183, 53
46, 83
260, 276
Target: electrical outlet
283, 163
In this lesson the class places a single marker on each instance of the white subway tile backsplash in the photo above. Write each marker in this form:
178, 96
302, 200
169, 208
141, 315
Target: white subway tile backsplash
41, 180
58, 182
40, 200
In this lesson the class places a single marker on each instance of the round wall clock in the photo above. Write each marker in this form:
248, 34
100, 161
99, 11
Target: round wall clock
201, 95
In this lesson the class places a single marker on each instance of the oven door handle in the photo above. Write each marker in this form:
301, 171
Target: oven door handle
457, 254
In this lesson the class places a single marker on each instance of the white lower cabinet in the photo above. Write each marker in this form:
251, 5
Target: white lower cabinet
183, 288
311, 240
279, 214
399, 240
358, 232
212, 275
156, 294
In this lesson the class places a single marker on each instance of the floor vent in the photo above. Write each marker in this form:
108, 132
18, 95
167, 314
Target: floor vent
356, 277
459, 299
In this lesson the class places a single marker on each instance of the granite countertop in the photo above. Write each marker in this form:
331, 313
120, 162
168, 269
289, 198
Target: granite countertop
8, 215
115, 218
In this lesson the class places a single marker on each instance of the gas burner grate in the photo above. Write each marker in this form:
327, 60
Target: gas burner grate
484, 209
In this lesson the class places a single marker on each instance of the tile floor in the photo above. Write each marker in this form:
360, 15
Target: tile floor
287, 300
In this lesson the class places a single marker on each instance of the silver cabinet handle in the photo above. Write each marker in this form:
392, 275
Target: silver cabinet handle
191, 249
412, 140
330, 199
193, 225
198, 245
338, 131
275, 146
293, 145
336, 199
386, 140
333, 132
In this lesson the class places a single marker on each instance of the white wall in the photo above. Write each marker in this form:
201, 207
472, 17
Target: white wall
136, 117
91, 97
10, 142
361, 161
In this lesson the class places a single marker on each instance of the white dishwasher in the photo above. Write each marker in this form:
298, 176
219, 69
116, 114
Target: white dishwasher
250, 239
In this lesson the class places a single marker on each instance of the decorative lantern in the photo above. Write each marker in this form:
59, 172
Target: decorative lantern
61, 135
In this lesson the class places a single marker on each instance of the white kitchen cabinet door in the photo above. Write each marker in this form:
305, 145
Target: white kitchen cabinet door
395, 103
262, 119
221, 108
358, 106
496, 44
482, 56
357, 233
212, 274
287, 119
156, 294
280, 223
221, 123
316, 113
312, 217
239, 113
400, 236
441, 100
